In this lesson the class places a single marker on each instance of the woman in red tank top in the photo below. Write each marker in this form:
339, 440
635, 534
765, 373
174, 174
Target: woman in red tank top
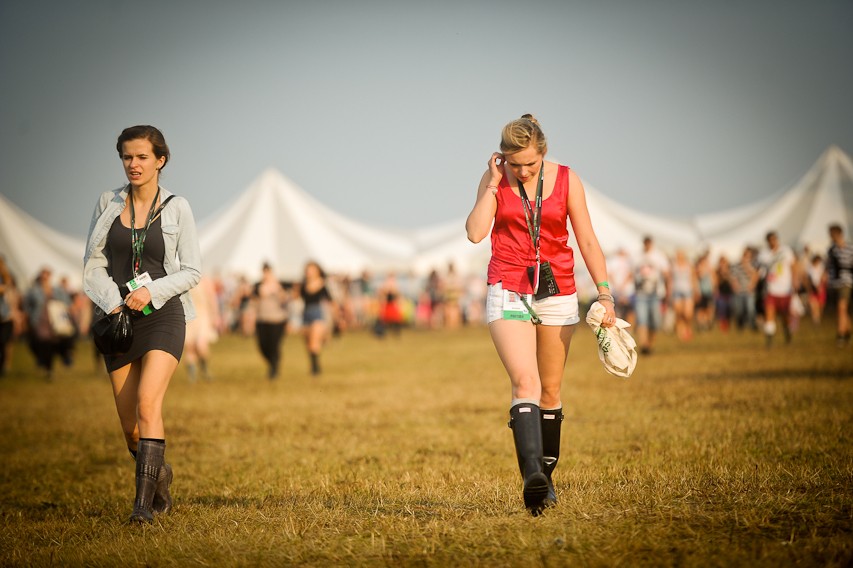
526, 203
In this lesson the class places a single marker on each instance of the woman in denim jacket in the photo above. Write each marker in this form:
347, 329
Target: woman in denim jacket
169, 261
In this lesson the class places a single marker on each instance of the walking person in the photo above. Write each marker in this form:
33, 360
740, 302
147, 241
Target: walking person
781, 277
51, 330
685, 289
270, 297
202, 331
316, 312
724, 291
744, 282
840, 268
7, 325
532, 302
816, 287
142, 254
621, 270
653, 282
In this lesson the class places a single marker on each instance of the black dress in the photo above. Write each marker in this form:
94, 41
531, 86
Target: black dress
163, 329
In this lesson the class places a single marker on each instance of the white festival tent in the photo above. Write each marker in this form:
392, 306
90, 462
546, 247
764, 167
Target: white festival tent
29, 245
800, 214
275, 221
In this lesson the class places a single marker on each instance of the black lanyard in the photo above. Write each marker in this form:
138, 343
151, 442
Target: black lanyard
534, 227
137, 239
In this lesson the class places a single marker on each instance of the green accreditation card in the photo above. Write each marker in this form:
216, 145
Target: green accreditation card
138, 283
513, 307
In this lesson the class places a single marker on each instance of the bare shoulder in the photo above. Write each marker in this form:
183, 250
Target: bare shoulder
574, 180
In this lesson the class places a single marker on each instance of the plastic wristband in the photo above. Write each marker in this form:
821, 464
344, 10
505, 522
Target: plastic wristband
493, 189
604, 284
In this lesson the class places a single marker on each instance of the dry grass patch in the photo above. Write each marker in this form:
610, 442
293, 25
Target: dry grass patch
716, 453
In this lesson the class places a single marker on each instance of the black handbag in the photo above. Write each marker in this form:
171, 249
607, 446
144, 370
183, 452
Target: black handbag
113, 333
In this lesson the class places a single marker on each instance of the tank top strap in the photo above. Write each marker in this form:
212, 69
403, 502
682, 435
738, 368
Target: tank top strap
562, 183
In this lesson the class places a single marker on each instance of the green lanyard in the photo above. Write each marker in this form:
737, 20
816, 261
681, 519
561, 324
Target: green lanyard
137, 238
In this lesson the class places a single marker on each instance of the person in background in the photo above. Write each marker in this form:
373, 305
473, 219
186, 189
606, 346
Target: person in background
6, 323
46, 340
142, 254
816, 279
434, 290
452, 295
270, 298
527, 202
744, 281
241, 305
705, 298
202, 331
621, 271
723, 293
390, 316
653, 281
840, 270
779, 265
684, 291
316, 313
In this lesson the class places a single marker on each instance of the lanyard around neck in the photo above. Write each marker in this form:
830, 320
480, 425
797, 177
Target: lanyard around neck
137, 238
534, 226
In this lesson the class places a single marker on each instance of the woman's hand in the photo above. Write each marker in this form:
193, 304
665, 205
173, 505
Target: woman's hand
609, 319
138, 299
496, 168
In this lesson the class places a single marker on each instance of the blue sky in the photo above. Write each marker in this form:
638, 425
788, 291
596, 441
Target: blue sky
388, 111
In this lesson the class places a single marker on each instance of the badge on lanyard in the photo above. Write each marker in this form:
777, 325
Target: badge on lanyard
138, 283
513, 306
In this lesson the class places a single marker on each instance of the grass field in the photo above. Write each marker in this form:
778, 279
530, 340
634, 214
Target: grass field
715, 453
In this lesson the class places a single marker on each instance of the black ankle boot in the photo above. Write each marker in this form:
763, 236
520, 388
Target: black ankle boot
149, 460
552, 421
527, 435
315, 363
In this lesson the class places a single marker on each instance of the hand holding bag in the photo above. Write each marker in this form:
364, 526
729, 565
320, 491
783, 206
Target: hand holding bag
113, 333
617, 350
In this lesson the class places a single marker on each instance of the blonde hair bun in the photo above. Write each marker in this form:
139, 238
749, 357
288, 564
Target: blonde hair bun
522, 133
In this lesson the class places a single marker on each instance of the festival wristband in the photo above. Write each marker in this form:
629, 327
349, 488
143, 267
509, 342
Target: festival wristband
604, 284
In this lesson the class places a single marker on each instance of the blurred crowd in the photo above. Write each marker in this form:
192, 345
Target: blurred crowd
767, 290
654, 291
49, 316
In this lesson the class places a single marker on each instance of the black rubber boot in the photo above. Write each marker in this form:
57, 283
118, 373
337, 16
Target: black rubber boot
552, 421
315, 363
162, 502
149, 460
527, 434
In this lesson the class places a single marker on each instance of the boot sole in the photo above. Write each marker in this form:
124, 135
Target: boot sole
141, 518
535, 492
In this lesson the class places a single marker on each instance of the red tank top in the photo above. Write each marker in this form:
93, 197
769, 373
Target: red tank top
512, 249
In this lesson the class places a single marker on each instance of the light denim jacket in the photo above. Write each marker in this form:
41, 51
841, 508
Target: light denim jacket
182, 258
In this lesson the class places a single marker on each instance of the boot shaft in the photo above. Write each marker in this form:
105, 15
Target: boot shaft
526, 425
552, 422
149, 460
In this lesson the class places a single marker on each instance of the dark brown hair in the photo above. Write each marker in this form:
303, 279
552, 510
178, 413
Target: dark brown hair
145, 132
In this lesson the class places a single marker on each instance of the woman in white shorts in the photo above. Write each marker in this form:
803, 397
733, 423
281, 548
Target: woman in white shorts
532, 302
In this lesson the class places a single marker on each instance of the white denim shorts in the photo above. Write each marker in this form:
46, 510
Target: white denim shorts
556, 310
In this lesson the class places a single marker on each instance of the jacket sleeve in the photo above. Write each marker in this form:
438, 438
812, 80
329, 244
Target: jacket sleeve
189, 260
97, 283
